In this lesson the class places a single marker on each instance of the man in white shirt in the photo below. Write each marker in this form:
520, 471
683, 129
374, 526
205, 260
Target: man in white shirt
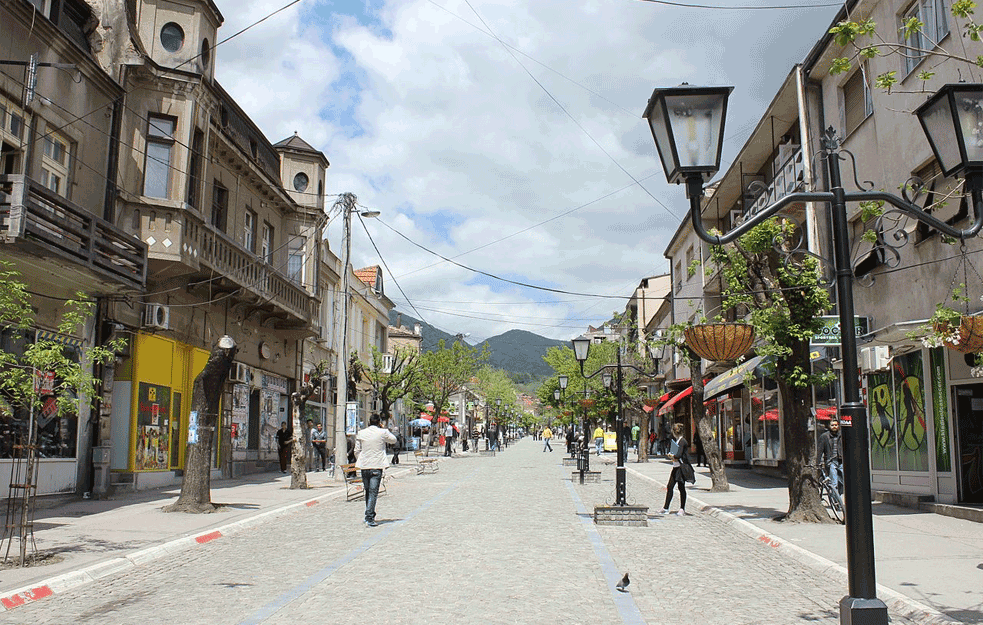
448, 439
370, 449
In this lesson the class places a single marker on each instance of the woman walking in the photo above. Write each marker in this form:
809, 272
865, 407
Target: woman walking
682, 470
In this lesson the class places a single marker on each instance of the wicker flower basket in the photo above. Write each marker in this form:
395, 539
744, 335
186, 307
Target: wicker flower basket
720, 341
970, 339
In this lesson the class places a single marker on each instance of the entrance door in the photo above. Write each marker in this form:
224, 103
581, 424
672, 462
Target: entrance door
968, 402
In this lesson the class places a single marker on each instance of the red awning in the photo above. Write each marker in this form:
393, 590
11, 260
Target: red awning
665, 396
825, 414
647, 408
672, 402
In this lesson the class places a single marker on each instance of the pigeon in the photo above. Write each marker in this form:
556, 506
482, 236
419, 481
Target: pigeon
622, 586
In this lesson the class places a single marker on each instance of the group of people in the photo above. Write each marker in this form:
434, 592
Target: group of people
316, 445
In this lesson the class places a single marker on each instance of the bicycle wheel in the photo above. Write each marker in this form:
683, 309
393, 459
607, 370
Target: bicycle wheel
834, 504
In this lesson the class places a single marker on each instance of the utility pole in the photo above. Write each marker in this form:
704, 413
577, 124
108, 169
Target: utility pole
346, 203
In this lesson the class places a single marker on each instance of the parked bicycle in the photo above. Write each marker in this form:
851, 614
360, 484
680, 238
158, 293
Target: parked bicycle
831, 497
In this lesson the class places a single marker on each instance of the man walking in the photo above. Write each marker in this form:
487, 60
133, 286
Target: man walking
449, 439
547, 435
599, 439
319, 440
831, 452
284, 439
372, 460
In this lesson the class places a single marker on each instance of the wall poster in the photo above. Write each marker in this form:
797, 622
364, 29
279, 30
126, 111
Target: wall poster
269, 419
240, 417
153, 427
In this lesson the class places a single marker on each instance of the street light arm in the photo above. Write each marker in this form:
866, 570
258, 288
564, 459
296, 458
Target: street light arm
694, 190
974, 182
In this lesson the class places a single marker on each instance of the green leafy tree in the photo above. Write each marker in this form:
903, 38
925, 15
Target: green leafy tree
444, 372
392, 376
785, 297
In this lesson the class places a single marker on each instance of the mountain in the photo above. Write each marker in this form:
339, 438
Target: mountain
516, 351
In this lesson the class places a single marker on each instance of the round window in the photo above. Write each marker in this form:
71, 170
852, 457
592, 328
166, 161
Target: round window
206, 53
171, 37
301, 181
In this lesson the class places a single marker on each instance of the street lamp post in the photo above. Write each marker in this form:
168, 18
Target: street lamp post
687, 125
348, 205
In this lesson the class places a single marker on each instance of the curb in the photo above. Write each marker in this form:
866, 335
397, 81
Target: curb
900, 604
73, 579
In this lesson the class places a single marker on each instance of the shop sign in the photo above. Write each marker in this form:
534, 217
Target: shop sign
275, 383
193, 428
829, 333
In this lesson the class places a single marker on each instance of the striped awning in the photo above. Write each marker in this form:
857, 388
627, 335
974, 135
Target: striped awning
57, 337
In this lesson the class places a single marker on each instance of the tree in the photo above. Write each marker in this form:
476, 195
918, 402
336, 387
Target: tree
785, 296
391, 376
298, 451
445, 371
195, 494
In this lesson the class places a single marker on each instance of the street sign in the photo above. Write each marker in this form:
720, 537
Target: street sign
829, 333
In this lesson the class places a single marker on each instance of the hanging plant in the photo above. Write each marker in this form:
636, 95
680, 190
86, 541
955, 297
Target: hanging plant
720, 341
959, 331
588, 403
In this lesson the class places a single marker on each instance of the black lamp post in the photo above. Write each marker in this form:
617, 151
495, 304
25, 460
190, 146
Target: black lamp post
498, 410
687, 125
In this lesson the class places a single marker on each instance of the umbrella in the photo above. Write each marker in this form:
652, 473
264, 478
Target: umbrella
420, 423
442, 420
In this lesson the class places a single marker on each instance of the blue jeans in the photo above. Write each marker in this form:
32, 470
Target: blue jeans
834, 468
600, 445
371, 478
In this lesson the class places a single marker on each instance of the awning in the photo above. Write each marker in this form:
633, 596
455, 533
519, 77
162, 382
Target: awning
733, 378
672, 402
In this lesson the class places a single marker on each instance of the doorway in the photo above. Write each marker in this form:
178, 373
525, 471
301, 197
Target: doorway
968, 403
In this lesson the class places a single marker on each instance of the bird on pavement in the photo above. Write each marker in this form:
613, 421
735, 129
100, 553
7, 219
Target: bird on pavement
622, 586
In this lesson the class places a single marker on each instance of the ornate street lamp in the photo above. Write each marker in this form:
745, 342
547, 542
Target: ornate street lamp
687, 125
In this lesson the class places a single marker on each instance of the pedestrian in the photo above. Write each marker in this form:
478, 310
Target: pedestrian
547, 436
493, 437
319, 439
284, 439
653, 442
599, 439
701, 456
448, 439
370, 450
570, 440
831, 452
635, 430
400, 441
682, 470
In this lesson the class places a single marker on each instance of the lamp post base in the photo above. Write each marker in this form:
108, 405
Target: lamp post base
856, 611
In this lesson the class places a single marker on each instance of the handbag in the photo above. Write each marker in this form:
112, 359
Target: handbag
687, 472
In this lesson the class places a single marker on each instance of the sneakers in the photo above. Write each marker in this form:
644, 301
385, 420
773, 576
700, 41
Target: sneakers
371, 524
681, 513
665, 511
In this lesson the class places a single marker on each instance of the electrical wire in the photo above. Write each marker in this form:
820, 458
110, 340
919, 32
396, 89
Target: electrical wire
783, 7
386, 265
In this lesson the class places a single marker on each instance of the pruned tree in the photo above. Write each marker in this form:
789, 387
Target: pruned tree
392, 376
785, 295
445, 371
206, 396
298, 451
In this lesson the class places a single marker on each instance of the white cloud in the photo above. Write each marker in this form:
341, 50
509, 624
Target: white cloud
430, 120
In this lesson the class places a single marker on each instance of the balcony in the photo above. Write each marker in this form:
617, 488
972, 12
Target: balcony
788, 179
182, 236
41, 223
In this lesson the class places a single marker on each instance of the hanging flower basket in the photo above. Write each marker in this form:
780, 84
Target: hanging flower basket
967, 337
720, 341
587, 403
651, 403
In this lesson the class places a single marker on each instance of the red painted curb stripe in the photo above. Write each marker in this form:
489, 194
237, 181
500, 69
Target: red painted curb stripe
204, 538
312, 503
20, 599
771, 542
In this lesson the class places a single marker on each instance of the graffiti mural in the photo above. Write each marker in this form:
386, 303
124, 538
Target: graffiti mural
240, 417
882, 434
909, 393
269, 419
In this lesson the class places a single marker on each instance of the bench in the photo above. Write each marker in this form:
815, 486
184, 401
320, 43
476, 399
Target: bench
353, 482
424, 464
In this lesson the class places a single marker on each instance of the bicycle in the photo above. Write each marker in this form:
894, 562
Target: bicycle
830, 496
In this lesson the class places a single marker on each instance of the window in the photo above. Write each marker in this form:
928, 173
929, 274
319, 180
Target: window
54, 163
220, 206
194, 170
858, 104
206, 54
11, 121
160, 144
295, 259
172, 37
267, 249
300, 182
249, 234
678, 277
931, 13
942, 198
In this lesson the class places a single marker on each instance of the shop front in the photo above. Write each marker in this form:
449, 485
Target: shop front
151, 406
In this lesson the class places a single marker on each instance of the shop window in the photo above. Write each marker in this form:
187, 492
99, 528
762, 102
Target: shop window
933, 15
898, 432
157, 165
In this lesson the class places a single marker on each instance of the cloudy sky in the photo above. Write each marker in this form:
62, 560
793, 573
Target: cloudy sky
505, 135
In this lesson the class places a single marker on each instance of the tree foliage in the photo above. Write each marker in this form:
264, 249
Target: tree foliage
444, 371
391, 377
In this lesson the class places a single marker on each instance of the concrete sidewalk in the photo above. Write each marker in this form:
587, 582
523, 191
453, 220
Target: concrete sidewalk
94, 537
933, 562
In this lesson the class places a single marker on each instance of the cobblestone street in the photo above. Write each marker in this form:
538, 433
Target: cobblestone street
504, 539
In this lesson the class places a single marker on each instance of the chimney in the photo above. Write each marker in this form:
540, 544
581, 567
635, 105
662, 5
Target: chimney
399, 321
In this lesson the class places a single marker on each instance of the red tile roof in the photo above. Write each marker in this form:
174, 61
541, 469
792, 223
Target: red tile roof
368, 275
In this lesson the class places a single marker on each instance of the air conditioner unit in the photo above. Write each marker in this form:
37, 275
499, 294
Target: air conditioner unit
240, 373
876, 358
156, 316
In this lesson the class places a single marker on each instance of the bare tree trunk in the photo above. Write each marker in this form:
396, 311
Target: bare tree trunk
718, 478
298, 451
205, 398
643, 438
804, 503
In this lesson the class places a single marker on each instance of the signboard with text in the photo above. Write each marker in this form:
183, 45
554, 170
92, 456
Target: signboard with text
829, 333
